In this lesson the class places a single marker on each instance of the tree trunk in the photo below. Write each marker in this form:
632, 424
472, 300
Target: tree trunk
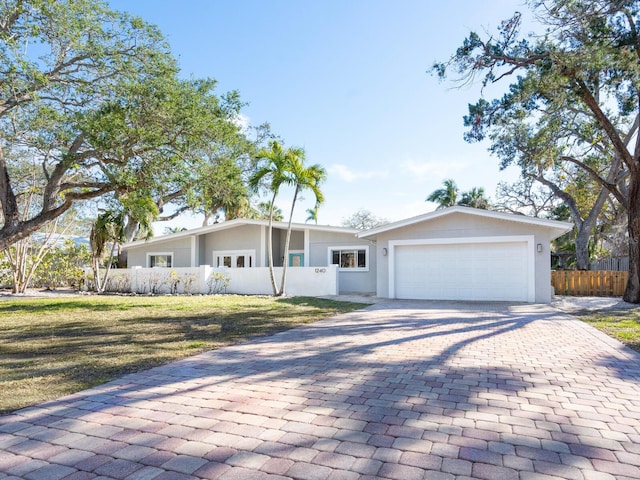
130, 231
582, 249
8, 199
285, 262
123, 258
632, 292
272, 274
585, 226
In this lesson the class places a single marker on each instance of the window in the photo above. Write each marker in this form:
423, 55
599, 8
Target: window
350, 258
160, 260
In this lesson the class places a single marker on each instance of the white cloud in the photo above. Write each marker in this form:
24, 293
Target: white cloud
241, 121
346, 174
441, 169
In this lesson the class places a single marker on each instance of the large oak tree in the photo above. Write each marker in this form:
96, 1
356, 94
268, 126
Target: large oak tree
573, 100
60, 60
93, 97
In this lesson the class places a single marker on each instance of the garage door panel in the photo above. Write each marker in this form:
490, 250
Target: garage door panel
486, 271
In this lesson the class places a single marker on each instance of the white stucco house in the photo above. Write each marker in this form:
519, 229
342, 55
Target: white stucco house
458, 253
339, 260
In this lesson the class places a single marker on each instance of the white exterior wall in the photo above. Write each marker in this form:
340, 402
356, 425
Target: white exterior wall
312, 281
301, 281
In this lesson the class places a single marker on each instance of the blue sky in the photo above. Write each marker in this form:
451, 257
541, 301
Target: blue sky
347, 81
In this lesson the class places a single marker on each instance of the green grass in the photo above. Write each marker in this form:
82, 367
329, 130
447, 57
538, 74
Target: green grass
53, 347
623, 325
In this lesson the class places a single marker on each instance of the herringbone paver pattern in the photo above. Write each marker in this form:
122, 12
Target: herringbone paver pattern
401, 390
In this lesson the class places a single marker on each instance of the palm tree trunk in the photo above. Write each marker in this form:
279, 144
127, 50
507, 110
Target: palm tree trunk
272, 274
286, 244
103, 284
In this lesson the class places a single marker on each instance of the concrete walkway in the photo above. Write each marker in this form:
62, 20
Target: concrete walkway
400, 390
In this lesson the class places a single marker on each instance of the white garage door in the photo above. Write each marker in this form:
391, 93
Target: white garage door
474, 271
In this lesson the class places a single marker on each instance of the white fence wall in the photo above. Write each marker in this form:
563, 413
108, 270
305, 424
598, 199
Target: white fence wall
301, 281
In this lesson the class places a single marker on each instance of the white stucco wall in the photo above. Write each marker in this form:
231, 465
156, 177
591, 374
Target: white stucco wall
301, 281
310, 281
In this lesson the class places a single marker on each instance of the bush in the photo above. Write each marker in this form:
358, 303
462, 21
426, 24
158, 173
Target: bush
217, 283
63, 267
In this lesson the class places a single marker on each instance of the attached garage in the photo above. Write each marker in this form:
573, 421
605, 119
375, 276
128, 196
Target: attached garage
498, 269
462, 253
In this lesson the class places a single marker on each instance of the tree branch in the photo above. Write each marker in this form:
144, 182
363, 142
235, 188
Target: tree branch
178, 212
608, 183
605, 123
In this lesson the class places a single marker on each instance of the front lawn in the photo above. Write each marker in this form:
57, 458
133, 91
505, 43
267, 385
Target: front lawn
53, 347
623, 325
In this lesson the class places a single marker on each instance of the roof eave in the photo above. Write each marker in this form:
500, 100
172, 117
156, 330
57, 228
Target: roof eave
555, 225
234, 223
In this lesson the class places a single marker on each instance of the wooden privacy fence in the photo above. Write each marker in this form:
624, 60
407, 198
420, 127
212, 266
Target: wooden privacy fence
598, 283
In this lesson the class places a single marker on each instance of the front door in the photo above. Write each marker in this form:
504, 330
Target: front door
296, 259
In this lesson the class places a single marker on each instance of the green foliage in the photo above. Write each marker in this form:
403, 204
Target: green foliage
312, 214
263, 209
446, 196
272, 172
5, 271
279, 167
474, 198
63, 266
569, 117
559, 107
108, 228
99, 108
449, 195
60, 61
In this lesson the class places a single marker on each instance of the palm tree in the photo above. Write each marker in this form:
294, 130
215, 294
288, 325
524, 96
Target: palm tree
264, 208
446, 196
301, 178
108, 229
312, 214
276, 169
475, 198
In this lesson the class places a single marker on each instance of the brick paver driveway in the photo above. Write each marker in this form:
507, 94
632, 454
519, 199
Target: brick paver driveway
401, 390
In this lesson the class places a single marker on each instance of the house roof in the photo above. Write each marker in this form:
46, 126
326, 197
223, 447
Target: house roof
236, 223
558, 228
